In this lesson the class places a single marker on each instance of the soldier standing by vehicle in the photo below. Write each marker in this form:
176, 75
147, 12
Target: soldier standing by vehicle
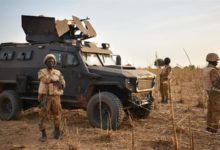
164, 80
212, 86
50, 88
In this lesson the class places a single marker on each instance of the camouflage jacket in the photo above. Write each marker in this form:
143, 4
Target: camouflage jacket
165, 72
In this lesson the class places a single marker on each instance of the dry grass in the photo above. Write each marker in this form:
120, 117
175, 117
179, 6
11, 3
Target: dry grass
155, 132
186, 86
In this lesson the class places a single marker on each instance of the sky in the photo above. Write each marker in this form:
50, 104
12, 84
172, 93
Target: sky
135, 29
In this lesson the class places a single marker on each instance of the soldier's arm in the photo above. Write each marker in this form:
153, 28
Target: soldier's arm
43, 77
214, 77
62, 81
168, 70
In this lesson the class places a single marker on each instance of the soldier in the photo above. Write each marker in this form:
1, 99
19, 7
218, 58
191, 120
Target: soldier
51, 87
212, 86
164, 80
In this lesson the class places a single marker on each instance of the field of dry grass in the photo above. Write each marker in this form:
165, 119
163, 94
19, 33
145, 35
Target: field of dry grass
153, 133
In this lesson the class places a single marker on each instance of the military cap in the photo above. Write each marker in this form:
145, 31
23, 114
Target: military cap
49, 56
212, 57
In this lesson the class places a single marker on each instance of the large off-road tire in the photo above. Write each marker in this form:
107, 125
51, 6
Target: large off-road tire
111, 112
141, 112
10, 106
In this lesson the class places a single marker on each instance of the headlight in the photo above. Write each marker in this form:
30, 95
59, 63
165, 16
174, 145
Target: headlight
154, 82
130, 84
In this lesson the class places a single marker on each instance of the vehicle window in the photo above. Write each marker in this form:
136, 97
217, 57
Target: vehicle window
91, 59
25, 55
6, 55
107, 59
58, 57
71, 60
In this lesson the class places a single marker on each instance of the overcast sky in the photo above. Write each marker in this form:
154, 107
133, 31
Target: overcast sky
135, 29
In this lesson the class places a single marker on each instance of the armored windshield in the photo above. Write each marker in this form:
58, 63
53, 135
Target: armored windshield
107, 60
91, 59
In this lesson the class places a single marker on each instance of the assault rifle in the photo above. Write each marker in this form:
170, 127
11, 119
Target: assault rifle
44, 102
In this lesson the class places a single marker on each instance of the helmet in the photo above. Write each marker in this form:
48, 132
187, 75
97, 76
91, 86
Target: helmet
212, 57
50, 56
166, 60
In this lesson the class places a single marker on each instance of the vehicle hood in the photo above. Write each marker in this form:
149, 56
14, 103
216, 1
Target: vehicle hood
128, 72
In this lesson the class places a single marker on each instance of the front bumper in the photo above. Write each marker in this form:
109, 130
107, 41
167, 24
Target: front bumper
141, 99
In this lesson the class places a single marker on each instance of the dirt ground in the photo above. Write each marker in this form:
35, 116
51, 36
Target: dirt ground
153, 133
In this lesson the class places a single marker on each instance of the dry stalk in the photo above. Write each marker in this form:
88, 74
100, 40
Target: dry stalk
180, 139
109, 125
100, 109
191, 135
193, 143
130, 119
174, 126
182, 119
63, 127
132, 131
74, 145
132, 139
190, 138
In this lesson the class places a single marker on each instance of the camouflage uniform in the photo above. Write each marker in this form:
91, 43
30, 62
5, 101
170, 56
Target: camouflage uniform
164, 83
52, 93
211, 75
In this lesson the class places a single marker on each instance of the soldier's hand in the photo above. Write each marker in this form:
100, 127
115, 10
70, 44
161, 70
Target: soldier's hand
57, 84
60, 86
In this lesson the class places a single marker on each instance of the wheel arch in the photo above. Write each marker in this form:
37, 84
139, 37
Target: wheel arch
122, 94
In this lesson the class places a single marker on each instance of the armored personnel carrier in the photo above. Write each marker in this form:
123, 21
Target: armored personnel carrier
95, 79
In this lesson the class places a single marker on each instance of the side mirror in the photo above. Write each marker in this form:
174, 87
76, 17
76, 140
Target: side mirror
118, 60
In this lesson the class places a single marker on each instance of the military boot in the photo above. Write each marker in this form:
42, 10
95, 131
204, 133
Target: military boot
166, 101
56, 132
212, 130
44, 136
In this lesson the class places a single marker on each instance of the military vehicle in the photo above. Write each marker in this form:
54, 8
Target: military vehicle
95, 79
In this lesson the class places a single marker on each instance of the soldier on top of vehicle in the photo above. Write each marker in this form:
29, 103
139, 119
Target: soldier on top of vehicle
212, 86
164, 80
51, 87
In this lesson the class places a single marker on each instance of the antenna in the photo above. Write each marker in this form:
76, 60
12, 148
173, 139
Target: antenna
157, 63
187, 57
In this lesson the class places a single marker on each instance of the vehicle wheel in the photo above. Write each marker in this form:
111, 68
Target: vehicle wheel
142, 112
10, 106
111, 112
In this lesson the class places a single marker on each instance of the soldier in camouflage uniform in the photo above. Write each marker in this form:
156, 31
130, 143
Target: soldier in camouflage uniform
164, 81
50, 88
212, 86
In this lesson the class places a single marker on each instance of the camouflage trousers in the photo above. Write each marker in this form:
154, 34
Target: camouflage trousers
213, 114
52, 108
164, 89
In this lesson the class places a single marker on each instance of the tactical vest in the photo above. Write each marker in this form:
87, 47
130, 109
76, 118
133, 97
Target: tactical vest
207, 83
50, 89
